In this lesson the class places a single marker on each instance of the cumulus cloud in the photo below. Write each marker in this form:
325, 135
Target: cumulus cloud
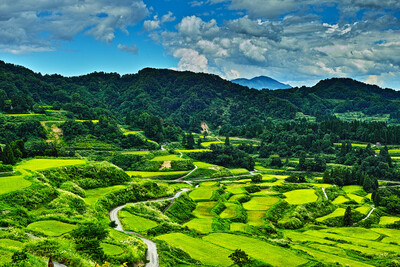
39, 25
130, 49
293, 47
150, 25
191, 60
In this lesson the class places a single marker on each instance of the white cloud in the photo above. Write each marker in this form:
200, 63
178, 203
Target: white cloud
41, 24
191, 60
151, 25
130, 49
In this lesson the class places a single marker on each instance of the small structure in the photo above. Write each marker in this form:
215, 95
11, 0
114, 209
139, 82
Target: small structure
378, 144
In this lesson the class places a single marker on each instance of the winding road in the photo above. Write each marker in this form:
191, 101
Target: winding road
152, 255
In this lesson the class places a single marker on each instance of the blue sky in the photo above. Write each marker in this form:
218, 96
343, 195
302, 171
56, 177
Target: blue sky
294, 41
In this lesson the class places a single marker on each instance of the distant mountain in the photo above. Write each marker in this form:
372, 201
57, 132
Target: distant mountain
261, 82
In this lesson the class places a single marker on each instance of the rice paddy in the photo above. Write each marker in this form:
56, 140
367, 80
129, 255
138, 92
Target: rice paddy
203, 209
388, 220
135, 223
92, 195
255, 217
339, 212
168, 158
13, 183
301, 196
231, 211
42, 164
51, 227
111, 249
274, 255
202, 225
340, 200
260, 203
156, 174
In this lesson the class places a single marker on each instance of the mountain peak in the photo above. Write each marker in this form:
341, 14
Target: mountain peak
261, 82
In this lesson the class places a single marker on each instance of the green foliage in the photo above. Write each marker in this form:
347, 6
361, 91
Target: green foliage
87, 176
182, 208
256, 178
240, 258
73, 188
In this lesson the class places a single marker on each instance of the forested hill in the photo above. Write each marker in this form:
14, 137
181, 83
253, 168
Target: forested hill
339, 95
186, 98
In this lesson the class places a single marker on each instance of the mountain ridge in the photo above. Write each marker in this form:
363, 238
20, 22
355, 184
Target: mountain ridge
261, 82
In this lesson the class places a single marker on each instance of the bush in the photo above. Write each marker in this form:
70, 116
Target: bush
73, 188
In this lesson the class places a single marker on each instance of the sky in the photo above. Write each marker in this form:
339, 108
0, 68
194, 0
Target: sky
293, 41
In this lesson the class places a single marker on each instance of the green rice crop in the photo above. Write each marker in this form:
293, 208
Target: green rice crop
303, 238
239, 171
340, 200
155, 174
13, 183
260, 203
240, 227
42, 164
111, 249
301, 196
388, 220
356, 198
356, 232
200, 250
231, 211
202, 225
207, 144
203, 209
193, 150
236, 188
51, 227
352, 188
135, 223
132, 132
255, 217
363, 209
135, 153
168, 158
9, 243
339, 212
263, 251
202, 193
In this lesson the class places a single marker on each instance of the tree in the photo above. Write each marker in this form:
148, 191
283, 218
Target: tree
190, 141
256, 178
240, 257
7, 156
347, 217
227, 142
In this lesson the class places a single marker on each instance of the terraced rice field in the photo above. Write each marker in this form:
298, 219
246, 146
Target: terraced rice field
136, 153
254, 217
274, 255
339, 212
168, 158
135, 223
231, 211
203, 192
198, 249
260, 203
155, 174
207, 144
301, 196
352, 188
132, 132
111, 249
239, 227
11, 244
204, 165
51, 227
356, 198
263, 169
236, 188
203, 209
356, 232
42, 164
13, 183
388, 220
364, 209
239, 171
192, 150
340, 200
202, 225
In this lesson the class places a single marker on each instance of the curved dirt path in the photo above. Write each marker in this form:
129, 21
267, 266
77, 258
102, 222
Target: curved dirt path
369, 214
152, 255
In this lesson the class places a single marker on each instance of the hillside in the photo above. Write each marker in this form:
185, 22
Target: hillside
186, 98
261, 82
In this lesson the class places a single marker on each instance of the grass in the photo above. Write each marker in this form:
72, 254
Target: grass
263, 251
301, 196
168, 157
198, 249
202, 193
9, 243
231, 211
203, 209
236, 197
92, 195
136, 153
260, 203
111, 249
155, 174
395, 233
329, 258
13, 183
328, 249
42, 164
339, 212
340, 200
388, 220
135, 223
239, 227
207, 144
255, 217
263, 169
51, 227
202, 225
5, 257
322, 185
263, 192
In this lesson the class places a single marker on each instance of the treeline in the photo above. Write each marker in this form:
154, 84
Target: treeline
350, 176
